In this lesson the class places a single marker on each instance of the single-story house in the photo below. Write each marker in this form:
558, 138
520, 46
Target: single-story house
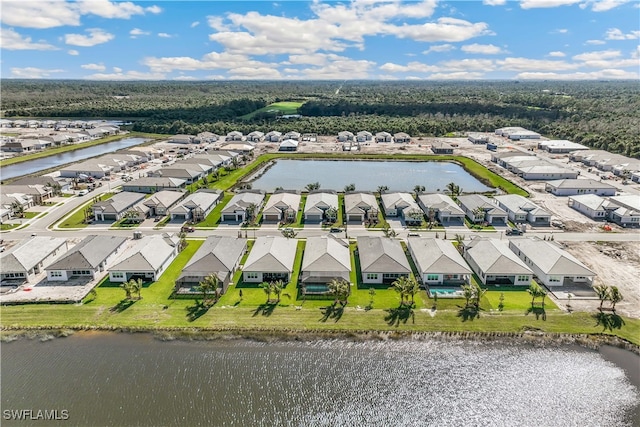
255, 136
19, 146
116, 207
384, 137
234, 136
441, 147
182, 139
147, 259
592, 206
478, 138
635, 176
206, 137
558, 146
40, 193
288, 145
364, 136
282, 206
153, 184
271, 258
401, 138
196, 206
12, 200
479, 208
495, 264
345, 136
325, 259
382, 260
273, 136
190, 173
520, 209
95, 168
628, 214
237, 210
5, 214
160, 202
291, 135
401, 205
360, 206
573, 187
239, 147
521, 134
444, 207
546, 172
317, 204
28, 258
438, 262
552, 265
218, 255
87, 259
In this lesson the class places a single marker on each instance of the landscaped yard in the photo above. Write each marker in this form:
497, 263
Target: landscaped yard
76, 218
213, 219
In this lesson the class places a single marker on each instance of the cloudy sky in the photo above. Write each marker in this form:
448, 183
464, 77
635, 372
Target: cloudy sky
285, 40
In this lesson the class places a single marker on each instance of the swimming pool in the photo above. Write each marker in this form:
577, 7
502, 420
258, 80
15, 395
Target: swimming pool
445, 292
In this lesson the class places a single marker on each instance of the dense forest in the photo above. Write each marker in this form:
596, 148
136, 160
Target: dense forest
603, 115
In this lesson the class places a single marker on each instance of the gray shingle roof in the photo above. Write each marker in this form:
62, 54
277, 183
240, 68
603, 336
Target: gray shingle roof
216, 254
441, 203
200, 199
155, 182
494, 257
29, 253
382, 255
242, 200
119, 202
321, 198
474, 201
519, 204
165, 198
286, 200
352, 201
147, 254
326, 254
549, 258
272, 254
89, 253
437, 257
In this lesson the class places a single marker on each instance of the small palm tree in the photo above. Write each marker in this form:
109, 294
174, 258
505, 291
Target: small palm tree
208, 285
340, 289
382, 189
603, 293
615, 297
349, 187
266, 287
467, 293
478, 293
419, 189
412, 288
535, 291
453, 189
136, 286
331, 214
401, 287
276, 288
128, 288
313, 186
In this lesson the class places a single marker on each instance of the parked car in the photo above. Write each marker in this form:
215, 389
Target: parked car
83, 192
335, 230
514, 232
413, 235
187, 229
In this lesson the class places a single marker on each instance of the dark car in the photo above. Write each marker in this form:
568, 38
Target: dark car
514, 232
188, 229
335, 229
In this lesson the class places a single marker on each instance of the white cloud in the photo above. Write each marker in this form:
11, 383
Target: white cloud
494, 2
138, 32
559, 31
257, 73
594, 75
73, 52
153, 9
11, 40
595, 42
129, 75
557, 54
528, 64
411, 67
117, 69
185, 78
340, 68
194, 24
466, 65
32, 73
215, 22
96, 67
617, 34
460, 75
215, 77
604, 5
483, 49
96, 36
210, 61
444, 29
165, 35
439, 48
532, 4
602, 54
107, 9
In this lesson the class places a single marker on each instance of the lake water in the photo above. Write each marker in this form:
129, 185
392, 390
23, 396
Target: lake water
106, 379
36, 165
366, 175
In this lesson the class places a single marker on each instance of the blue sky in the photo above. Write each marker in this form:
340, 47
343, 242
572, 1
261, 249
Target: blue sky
300, 40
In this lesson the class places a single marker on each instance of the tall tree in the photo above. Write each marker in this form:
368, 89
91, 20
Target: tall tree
615, 296
382, 189
340, 289
208, 285
603, 293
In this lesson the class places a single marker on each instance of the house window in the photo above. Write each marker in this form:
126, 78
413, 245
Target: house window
117, 275
252, 275
56, 274
390, 275
372, 276
432, 277
554, 279
523, 278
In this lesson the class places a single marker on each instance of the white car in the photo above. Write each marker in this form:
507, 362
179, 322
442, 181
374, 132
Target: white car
83, 192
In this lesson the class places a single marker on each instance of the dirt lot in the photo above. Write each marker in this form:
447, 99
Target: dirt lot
616, 264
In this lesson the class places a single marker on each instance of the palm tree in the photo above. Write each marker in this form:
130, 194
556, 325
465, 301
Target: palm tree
266, 287
478, 292
208, 285
136, 286
459, 238
419, 189
431, 214
382, 189
535, 291
276, 288
128, 288
251, 212
478, 211
412, 288
603, 293
401, 287
615, 297
17, 209
313, 186
340, 289
331, 214
453, 189
349, 187
467, 292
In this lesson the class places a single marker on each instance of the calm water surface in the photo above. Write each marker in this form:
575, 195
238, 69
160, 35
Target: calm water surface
134, 380
32, 166
366, 175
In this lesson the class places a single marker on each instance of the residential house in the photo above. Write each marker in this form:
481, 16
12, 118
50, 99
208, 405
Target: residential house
592, 206
5, 214
546, 172
441, 147
479, 208
182, 139
384, 137
495, 264
635, 177
20, 146
551, 265
282, 206
242, 206
446, 210
364, 136
628, 213
153, 184
116, 207
288, 145
146, 259
401, 138
317, 204
345, 136
325, 259
402, 205
438, 262
239, 147
477, 138
273, 136
560, 146
95, 168
270, 259
46, 181
87, 259
196, 206
160, 202
360, 206
291, 135
382, 260
207, 137
28, 258
234, 136
573, 187
520, 209
218, 255
15, 201
255, 136
38, 192
189, 173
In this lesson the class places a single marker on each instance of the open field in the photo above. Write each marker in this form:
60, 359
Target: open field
277, 108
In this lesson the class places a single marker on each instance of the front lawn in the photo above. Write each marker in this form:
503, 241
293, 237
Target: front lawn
213, 219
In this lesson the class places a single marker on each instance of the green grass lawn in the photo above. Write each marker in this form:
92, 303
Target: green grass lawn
213, 219
9, 226
29, 215
76, 218
283, 107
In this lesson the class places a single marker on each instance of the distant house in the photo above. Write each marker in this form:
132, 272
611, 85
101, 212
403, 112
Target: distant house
628, 213
478, 138
270, 259
240, 147
15, 201
592, 206
291, 135
40, 193
495, 264
573, 187
384, 137
28, 258
116, 207
255, 136
196, 206
360, 206
206, 137
95, 168
401, 138
218, 255
520, 209
440, 147
282, 206
237, 209
551, 265
382, 260
325, 259
273, 136
438, 262
479, 208
402, 205
288, 145
147, 259
345, 136
153, 184
560, 146
182, 139
19, 146
160, 202
317, 204
188, 172
234, 136
546, 172
87, 259
364, 136
447, 212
